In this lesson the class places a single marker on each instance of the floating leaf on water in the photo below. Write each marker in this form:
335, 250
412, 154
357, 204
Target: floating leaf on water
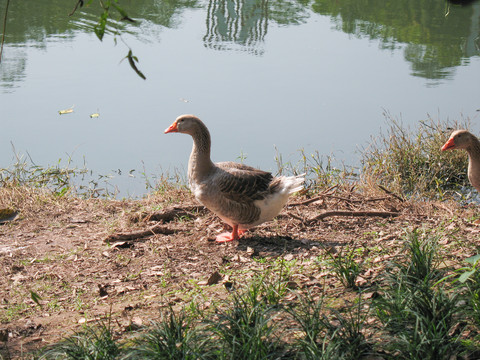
94, 115
66, 111
7, 215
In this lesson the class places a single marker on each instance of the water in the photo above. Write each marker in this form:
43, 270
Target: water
264, 77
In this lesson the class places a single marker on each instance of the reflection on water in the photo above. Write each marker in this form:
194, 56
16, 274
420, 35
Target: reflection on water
242, 22
436, 36
36, 22
12, 70
245, 22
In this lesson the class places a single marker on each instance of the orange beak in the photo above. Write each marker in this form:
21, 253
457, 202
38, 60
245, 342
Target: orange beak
172, 128
450, 144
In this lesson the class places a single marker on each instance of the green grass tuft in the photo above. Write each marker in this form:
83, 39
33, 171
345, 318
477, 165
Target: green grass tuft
92, 343
411, 161
420, 314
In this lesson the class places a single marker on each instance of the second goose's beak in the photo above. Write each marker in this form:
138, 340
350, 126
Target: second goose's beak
450, 144
172, 128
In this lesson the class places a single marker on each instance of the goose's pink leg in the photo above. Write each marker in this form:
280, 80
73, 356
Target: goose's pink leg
226, 237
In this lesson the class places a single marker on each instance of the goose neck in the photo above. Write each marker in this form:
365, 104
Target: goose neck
474, 151
200, 163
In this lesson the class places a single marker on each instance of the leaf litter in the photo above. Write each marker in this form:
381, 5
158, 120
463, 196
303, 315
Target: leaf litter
83, 260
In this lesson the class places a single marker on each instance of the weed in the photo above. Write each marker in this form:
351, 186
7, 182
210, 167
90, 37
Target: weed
325, 172
411, 162
12, 312
468, 278
421, 317
329, 333
309, 315
346, 331
272, 284
245, 330
345, 266
92, 343
423, 262
174, 337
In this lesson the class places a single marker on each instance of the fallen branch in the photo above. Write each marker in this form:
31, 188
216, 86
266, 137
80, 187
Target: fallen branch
171, 213
352, 213
136, 235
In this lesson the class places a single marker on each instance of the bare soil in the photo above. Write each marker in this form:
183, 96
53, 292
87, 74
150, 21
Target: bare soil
88, 259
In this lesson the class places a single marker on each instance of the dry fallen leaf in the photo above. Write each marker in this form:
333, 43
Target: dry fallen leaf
214, 278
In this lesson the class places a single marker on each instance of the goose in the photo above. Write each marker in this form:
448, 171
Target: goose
462, 139
240, 195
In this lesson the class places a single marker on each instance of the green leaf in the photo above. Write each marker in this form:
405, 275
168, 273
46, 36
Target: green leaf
466, 275
123, 13
35, 297
102, 25
131, 60
473, 259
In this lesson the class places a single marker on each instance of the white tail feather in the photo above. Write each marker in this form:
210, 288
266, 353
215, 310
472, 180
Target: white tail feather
294, 184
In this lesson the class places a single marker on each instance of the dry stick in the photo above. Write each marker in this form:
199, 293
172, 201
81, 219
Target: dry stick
136, 235
320, 196
4, 29
295, 216
391, 193
306, 202
356, 201
352, 213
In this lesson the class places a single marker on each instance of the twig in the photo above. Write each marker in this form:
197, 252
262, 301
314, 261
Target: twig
391, 193
295, 216
4, 29
135, 235
318, 197
356, 201
306, 202
79, 2
170, 214
352, 213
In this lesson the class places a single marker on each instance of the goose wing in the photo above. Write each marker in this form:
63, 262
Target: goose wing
242, 183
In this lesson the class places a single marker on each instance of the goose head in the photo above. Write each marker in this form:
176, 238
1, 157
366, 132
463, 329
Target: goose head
185, 124
460, 139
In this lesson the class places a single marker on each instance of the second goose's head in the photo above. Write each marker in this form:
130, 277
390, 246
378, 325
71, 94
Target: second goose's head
460, 139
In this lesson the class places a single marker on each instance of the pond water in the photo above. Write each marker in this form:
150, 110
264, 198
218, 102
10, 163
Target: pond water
265, 76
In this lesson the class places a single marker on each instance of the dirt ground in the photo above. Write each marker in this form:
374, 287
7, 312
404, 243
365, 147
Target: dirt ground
89, 259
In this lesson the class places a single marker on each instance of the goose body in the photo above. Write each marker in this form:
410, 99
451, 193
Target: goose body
240, 195
462, 139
